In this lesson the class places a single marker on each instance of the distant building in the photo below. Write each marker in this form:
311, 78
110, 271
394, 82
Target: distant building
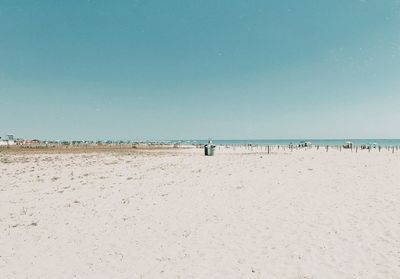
8, 141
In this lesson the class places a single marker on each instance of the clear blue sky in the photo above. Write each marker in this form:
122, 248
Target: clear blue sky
225, 69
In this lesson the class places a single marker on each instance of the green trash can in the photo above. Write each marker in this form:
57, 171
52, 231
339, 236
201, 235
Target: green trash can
209, 150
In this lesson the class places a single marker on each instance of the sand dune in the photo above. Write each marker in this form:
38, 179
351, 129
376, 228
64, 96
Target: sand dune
179, 214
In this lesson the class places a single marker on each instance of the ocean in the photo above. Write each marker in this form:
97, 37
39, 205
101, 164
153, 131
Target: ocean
321, 142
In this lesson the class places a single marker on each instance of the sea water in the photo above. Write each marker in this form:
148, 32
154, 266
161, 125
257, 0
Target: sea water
321, 142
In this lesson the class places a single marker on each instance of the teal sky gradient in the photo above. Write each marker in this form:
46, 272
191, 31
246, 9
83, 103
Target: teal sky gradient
224, 69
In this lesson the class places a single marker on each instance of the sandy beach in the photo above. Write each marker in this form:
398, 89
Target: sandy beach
179, 214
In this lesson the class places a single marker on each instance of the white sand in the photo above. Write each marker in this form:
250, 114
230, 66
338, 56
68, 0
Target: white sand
306, 214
